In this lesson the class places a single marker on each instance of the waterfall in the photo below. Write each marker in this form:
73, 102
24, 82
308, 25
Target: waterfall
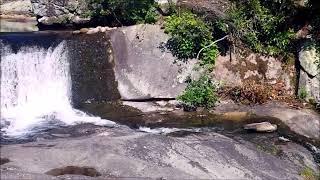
36, 90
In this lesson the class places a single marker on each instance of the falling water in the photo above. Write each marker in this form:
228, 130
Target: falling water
36, 90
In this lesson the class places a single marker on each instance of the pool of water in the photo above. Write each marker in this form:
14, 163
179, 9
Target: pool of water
14, 25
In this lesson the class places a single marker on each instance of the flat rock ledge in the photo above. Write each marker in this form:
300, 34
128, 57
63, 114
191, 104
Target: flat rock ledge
125, 153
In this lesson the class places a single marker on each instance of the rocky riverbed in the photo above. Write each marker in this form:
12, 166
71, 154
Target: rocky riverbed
194, 145
121, 152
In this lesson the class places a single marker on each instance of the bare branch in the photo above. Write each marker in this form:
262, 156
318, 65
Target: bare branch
211, 45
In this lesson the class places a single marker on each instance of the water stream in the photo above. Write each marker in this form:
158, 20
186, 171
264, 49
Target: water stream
36, 90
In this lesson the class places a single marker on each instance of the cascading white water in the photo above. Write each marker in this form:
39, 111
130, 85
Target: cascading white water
36, 89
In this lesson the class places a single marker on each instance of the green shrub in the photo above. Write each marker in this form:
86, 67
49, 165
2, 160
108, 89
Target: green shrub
208, 56
303, 94
262, 25
123, 12
189, 34
200, 93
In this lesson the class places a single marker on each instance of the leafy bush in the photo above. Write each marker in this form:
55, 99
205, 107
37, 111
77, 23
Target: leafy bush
261, 25
189, 34
200, 93
123, 12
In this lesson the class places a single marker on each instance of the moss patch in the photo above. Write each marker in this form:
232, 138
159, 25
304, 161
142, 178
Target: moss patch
308, 174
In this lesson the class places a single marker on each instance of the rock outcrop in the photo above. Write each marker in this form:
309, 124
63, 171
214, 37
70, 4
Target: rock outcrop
164, 5
309, 74
143, 68
235, 71
16, 7
60, 12
211, 8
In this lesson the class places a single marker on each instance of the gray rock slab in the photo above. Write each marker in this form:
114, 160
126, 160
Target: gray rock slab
125, 153
143, 68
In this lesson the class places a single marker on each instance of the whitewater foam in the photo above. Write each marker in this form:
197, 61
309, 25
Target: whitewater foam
36, 88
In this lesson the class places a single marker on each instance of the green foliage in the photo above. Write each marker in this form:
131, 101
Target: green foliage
124, 12
308, 174
261, 25
208, 56
189, 34
303, 94
200, 93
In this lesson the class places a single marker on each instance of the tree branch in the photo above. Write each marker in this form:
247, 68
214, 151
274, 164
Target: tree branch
211, 45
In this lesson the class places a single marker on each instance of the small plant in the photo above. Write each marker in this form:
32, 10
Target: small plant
200, 93
303, 94
189, 34
308, 174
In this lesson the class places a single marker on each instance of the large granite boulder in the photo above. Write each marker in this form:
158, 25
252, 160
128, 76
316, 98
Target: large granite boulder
144, 69
307, 59
309, 81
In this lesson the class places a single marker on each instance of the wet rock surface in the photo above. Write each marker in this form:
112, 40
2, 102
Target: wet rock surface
178, 145
85, 171
125, 153
4, 161
305, 122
